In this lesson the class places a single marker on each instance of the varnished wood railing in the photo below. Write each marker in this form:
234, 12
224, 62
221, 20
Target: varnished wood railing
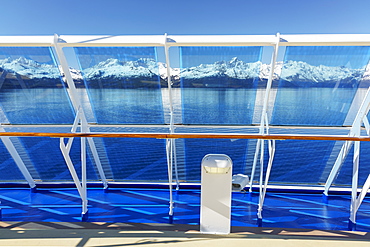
187, 136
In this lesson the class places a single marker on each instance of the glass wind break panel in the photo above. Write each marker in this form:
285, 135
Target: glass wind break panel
219, 84
31, 88
317, 84
123, 83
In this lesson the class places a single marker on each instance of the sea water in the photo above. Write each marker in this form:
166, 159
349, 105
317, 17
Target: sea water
145, 159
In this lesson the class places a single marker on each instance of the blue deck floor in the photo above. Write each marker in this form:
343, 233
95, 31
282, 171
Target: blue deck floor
288, 210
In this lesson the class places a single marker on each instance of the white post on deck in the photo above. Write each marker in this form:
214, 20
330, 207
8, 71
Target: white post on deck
76, 102
215, 208
170, 143
355, 131
264, 129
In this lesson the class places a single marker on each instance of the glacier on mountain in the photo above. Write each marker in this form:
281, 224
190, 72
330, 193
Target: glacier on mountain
29, 68
113, 68
295, 73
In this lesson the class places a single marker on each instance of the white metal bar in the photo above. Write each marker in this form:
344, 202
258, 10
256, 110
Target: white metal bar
169, 168
73, 130
367, 125
264, 119
264, 129
337, 165
270, 79
356, 157
26, 41
362, 112
355, 131
71, 168
222, 40
84, 175
76, 102
172, 129
190, 40
110, 40
326, 40
169, 82
363, 193
174, 40
67, 74
268, 171
84, 129
262, 152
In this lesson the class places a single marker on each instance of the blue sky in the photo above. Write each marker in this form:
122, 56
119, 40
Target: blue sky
46, 17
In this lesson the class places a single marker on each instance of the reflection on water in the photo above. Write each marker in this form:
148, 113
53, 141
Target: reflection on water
300, 106
36, 106
293, 106
312, 106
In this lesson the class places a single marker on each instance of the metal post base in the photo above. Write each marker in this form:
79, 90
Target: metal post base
259, 222
84, 216
325, 198
106, 190
351, 226
170, 219
33, 190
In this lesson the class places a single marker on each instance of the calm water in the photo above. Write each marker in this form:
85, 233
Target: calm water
292, 106
133, 158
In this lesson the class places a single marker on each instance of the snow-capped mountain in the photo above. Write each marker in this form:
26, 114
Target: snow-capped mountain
234, 68
113, 68
29, 68
220, 73
298, 71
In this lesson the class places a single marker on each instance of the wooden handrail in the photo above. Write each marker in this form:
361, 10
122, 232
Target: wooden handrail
188, 135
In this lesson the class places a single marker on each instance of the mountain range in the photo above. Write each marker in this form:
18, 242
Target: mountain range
146, 72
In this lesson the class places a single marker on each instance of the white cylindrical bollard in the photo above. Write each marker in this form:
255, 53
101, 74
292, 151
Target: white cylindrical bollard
215, 210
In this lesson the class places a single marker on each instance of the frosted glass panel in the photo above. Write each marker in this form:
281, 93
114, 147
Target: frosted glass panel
31, 89
317, 84
219, 84
123, 83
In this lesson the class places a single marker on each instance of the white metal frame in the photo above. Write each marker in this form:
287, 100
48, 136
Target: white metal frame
355, 131
264, 130
188, 40
170, 143
80, 119
209, 40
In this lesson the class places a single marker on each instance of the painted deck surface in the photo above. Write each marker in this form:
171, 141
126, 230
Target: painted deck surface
281, 210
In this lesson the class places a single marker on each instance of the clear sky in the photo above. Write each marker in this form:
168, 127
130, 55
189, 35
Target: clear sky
46, 17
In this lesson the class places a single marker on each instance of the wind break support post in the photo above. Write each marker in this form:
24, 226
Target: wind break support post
65, 149
79, 119
264, 130
78, 107
355, 131
170, 143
